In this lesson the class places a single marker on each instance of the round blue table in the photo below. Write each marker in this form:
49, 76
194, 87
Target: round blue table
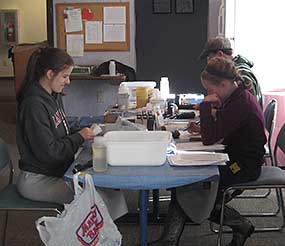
144, 179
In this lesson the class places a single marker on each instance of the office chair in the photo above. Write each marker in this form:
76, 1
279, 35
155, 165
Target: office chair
11, 200
271, 177
270, 113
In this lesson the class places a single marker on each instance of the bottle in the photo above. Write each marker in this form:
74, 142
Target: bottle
164, 87
99, 154
112, 68
159, 122
123, 97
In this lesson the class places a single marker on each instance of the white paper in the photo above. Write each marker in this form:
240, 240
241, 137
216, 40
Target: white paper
74, 44
186, 158
176, 125
93, 32
114, 33
198, 146
96, 129
73, 22
114, 15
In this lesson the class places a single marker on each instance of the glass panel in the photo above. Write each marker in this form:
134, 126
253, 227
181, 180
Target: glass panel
259, 37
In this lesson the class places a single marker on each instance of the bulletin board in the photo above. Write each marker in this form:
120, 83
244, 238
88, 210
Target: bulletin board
97, 14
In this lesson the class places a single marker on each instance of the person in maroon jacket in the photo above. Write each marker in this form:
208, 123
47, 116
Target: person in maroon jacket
231, 115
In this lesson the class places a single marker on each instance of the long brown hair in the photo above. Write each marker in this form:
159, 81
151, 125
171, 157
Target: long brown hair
42, 60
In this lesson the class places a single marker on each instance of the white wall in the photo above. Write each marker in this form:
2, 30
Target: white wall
32, 27
96, 58
32, 19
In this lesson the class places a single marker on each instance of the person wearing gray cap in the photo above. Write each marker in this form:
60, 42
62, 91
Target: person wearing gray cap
221, 46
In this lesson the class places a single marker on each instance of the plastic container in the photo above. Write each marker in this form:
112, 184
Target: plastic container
123, 101
99, 155
123, 97
141, 96
137, 148
133, 85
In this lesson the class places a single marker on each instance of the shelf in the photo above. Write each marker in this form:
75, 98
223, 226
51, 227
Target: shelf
116, 80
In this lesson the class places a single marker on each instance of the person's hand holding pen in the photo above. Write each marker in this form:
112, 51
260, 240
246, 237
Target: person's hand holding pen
193, 128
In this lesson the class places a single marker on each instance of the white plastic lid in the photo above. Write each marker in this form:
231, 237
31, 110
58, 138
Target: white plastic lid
123, 89
134, 84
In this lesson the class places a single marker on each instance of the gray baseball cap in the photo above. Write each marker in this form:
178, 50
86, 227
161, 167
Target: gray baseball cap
216, 44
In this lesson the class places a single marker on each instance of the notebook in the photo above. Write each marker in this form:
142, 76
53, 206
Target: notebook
197, 158
199, 146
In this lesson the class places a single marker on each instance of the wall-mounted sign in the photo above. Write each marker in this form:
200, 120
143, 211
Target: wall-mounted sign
184, 6
161, 6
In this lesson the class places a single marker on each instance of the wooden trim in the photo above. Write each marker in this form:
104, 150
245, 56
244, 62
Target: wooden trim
49, 9
12, 78
97, 8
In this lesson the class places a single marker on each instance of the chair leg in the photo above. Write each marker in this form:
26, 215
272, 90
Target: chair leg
281, 208
261, 214
5, 228
220, 235
155, 204
266, 214
155, 199
281, 205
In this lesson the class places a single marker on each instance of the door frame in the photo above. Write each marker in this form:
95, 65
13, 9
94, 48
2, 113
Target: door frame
49, 13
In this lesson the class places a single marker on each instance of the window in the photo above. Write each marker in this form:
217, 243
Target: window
256, 29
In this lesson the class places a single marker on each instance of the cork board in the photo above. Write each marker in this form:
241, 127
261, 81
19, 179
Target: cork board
97, 9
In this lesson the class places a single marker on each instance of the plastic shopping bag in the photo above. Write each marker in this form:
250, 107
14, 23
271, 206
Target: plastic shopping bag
84, 222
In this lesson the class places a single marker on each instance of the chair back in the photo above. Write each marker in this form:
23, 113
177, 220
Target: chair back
270, 113
280, 144
5, 159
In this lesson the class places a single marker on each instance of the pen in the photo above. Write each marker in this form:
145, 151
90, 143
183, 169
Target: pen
186, 128
190, 125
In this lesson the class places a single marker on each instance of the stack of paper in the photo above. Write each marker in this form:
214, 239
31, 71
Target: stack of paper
199, 146
197, 158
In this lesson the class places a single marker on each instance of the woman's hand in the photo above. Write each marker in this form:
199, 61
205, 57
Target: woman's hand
87, 133
214, 99
196, 106
194, 128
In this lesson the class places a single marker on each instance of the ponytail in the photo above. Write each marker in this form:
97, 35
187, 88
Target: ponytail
30, 76
42, 60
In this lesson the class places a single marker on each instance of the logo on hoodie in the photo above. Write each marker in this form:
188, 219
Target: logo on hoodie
57, 118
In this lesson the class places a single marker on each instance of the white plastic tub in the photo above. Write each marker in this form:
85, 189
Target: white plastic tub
137, 148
